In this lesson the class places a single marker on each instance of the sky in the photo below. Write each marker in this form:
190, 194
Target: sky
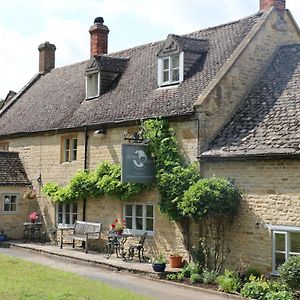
26, 24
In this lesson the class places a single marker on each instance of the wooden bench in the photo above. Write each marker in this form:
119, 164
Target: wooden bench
83, 231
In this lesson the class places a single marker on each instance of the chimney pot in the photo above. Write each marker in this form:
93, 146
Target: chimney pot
266, 4
46, 57
99, 37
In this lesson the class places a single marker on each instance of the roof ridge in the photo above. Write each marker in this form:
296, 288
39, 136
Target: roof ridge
258, 14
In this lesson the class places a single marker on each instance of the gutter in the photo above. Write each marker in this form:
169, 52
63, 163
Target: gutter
248, 157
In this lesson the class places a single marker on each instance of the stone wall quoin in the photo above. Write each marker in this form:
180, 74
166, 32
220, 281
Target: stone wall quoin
219, 102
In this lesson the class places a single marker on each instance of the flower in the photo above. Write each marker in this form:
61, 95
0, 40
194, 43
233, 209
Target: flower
118, 226
33, 216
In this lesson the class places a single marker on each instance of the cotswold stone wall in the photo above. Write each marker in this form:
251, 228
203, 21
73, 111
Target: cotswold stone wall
271, 190
11, 223
221, 98
42, 156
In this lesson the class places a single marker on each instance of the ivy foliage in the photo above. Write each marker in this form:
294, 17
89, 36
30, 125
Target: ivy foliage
174, 176
211, 198
106, 179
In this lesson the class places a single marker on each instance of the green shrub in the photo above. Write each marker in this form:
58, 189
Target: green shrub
290, 272
211, 197
278, 286
195, 278
255, 289
252, 271
192, 268
180, 276
283, 295
209, 277
229, 282
172, 277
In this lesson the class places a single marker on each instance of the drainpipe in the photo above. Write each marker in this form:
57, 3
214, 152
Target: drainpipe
86, 138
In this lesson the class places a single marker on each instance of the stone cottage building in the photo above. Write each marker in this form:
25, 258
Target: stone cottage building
14, 192
228, 91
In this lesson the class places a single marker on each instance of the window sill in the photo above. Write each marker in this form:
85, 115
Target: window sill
9, 213
68, 162
91, 97
168, 86
139, 232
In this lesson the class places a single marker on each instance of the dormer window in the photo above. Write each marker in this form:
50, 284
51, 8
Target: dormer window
170, 69
178, 57
92, 85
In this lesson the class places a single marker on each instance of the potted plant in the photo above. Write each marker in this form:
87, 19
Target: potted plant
118, 226
175, 260
159, 263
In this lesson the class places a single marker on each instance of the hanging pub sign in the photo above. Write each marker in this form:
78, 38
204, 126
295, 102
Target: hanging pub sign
137, 165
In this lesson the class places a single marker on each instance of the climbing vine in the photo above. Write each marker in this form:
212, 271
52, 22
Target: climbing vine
106, 179
174, 176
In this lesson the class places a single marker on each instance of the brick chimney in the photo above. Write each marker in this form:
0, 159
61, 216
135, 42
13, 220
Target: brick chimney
47, 57
266, 4
99, 37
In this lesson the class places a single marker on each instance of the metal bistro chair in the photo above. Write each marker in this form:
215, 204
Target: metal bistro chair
113, 244
139, 248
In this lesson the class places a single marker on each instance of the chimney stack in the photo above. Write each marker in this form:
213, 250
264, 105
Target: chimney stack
99, 37
47, 57
266, 4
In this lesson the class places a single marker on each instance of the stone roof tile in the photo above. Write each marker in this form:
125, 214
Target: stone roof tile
267, 123
12, 171
57, 100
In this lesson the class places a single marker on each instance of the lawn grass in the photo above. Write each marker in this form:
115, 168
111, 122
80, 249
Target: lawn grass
20, 280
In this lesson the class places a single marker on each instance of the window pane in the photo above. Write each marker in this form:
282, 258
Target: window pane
6, 207
279, 259
139, 211
128, 210
60, 207
139, 223
6, 200
149, 224
74, 149
166, 76
128, 222
279, 242
149, 211
13, 207
295, 242
175, 75
67, 149
13, 199
175, 61
68, 207
166, 64
92, 85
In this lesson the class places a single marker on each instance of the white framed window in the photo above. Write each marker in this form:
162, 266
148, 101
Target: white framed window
92, 85
10, 203
139, 217
170, 69
69, 149
285, 243
66, 214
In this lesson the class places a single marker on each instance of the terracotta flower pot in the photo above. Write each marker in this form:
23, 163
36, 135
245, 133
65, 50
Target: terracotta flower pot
175, 261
